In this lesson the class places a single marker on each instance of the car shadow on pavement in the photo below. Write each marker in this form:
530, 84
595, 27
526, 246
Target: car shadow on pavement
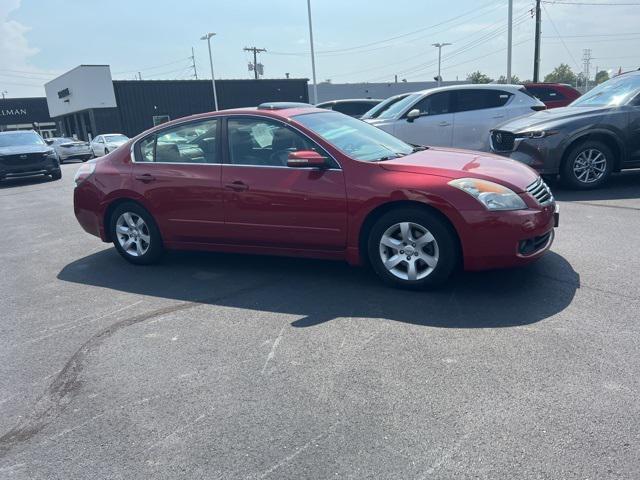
624, 185
320, 291
24, 181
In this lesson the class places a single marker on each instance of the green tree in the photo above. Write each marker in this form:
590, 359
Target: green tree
561, 74
602, 76
514, 80
478, 77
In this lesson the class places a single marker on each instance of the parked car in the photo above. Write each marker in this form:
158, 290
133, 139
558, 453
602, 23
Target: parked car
376, 111
70, 149
353, 107
458, 116
553, 95
597, 134
312, 183
25, 153
103, 144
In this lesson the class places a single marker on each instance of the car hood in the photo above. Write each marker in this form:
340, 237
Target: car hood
18, 149
552, 117
454, 163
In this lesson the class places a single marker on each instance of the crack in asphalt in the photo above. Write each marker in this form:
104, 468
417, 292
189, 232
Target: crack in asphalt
592, 204
67, 383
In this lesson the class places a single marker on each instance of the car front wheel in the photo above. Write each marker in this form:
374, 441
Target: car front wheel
412, 248
135, 234
588, 165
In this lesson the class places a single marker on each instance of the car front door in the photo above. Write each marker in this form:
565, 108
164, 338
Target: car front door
434, 126
177, 170
269, 204
477, 111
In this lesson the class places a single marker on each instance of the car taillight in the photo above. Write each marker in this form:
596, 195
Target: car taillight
537, 108
84, 172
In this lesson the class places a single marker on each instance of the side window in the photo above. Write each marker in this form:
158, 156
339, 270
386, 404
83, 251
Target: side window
354, 109
194, 142
468, 100
435, 104
546, 94
261, 142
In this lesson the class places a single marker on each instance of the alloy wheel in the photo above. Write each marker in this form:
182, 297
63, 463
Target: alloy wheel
409, 251
133, 234
590, 165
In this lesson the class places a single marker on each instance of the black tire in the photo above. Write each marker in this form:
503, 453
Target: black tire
56, 174
60, 161
446, 243
568, 174
154, 249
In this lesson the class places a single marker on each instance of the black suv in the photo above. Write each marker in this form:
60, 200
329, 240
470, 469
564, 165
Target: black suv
25, 153
597, 134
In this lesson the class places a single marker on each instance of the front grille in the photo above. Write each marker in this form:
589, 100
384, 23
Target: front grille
502, 141
531, 246
22, 159
540, 191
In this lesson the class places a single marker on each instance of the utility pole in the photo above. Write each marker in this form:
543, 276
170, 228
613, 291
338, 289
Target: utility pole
536, 53
313, 55
586, 58
510, 41
256, 70
193, 63
439, 47
207, 37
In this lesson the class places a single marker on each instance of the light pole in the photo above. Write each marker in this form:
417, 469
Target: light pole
313, 55
207, 37
4, 92
439, 47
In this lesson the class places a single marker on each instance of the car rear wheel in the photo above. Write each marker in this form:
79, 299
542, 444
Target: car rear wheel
412, 248
135, 234
588, 165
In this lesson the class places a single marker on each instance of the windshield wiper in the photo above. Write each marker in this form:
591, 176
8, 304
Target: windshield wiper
389, 157
419, 148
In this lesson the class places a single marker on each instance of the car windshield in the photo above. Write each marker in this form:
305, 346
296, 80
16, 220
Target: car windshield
612, 93
17, 139
354, 137
399, 107
115, 138
376, 111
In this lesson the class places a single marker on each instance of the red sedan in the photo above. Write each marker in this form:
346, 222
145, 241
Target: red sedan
289, 180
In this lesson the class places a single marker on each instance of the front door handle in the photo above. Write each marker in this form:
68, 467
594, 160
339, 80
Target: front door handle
237, 186
145, 177
498, 116
444, 124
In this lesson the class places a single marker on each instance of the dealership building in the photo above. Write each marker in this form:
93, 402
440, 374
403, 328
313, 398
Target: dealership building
86, 102
26, 114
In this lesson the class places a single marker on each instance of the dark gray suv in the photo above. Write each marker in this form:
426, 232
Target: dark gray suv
595, 135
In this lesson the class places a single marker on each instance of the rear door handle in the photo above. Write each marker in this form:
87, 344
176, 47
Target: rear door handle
498, 116
444, 124
237, 186
145, 177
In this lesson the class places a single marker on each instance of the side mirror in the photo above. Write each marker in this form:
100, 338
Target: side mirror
48, 141
306, 159
413, 114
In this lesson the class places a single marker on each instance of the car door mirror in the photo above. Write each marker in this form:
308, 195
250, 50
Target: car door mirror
48, 141
413, 114
306, 159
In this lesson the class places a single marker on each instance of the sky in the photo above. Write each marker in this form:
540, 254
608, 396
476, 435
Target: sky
355, 40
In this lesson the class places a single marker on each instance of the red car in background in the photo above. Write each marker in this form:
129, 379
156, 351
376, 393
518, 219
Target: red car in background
553, 95
288, 180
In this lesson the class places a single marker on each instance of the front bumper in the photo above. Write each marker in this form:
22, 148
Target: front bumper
507, 239
45, 168
541, 154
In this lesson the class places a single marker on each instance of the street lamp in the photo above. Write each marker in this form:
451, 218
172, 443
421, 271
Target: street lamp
313, 56
207, 37
439, 47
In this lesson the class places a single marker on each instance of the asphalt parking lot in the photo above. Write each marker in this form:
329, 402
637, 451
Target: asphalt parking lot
231, 366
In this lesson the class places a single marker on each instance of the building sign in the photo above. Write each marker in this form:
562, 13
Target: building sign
13, 112
64, 93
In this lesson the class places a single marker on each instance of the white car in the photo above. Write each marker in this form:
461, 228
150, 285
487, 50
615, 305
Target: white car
108, 142
70, 149
459, 116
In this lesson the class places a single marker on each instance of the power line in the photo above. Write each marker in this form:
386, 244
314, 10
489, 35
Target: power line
152, 68
560, 36
592, 4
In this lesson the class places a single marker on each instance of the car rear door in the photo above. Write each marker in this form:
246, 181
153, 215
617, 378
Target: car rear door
267, 203
178, 172
477, 111
434, 126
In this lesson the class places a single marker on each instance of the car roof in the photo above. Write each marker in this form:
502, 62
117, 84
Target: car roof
355, 100
474, 86
15, 132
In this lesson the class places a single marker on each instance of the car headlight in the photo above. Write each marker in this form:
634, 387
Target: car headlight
535, 134
492, 195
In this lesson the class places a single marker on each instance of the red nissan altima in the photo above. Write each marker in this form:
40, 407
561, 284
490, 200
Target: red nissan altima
285, 179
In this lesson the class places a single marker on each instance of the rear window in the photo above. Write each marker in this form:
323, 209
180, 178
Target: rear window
354, 109
546, 94
468, 100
